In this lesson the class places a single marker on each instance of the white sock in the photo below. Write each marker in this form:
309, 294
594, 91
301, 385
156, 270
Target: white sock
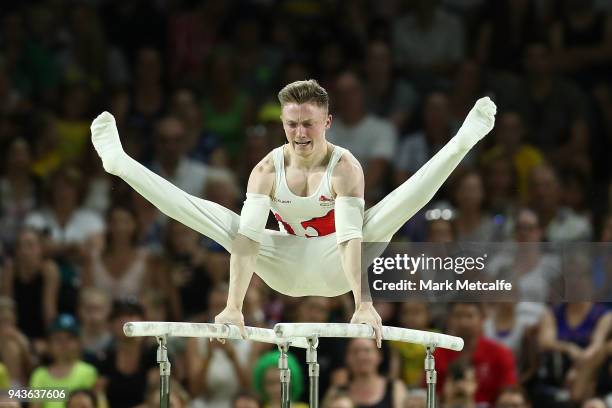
478, 123
105, 138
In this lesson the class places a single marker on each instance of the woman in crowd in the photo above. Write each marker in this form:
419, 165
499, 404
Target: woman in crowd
129, 364
94, 310
366, 386
472, 223
33, 281
123, 268
577, 331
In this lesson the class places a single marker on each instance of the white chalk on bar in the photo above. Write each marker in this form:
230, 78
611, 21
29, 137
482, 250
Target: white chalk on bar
365, 331
210, 330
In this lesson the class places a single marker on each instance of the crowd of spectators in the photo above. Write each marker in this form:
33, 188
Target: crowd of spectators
192, 85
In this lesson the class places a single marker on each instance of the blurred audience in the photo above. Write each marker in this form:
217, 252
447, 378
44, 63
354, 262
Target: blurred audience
193, 85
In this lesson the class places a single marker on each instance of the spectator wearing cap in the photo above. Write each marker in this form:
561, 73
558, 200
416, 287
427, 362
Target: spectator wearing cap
128, 362
66, 370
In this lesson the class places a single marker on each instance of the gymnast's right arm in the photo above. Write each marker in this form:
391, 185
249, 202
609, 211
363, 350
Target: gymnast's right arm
245, 247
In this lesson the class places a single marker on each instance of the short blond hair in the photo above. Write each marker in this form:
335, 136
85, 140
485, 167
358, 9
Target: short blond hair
303, 92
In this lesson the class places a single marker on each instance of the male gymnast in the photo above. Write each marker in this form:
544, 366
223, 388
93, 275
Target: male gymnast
315, 191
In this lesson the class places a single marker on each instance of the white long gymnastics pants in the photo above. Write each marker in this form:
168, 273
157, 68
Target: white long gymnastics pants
297, 266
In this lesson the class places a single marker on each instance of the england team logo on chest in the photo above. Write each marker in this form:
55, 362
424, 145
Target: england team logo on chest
325, 201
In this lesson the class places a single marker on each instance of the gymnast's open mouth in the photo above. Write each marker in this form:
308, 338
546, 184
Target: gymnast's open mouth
306, 143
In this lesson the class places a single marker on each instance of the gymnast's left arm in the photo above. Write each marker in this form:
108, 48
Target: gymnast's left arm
348, 184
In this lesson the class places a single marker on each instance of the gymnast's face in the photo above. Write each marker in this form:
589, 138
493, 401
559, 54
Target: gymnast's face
305, 125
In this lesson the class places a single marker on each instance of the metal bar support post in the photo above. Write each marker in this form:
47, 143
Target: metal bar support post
430, 376
285, 376
164, 372
313, 371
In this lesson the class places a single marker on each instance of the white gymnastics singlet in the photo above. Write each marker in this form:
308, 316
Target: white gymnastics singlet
311, 216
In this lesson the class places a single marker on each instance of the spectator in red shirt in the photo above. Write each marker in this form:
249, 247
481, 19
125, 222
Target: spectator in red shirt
494, 363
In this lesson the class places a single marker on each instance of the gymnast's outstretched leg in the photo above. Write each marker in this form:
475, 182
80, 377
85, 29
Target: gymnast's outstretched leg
208, 218
387, 217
